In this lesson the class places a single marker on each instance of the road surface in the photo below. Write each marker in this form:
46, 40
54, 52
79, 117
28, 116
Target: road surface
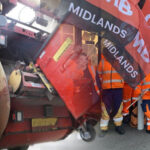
132, 140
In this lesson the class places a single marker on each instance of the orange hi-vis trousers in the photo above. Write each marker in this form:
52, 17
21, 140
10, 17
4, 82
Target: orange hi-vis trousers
127, 96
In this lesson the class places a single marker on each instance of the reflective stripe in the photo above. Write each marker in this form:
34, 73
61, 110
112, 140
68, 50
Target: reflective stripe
136, 98
137, 88
146, 83
148, 118
95, 83
126, 100
125, 114
96, 88
102, 64
143, 81
103, 123
98, 92
105, 72
112, 81
118, 119
93, 70
99, 72
148, 123
145, 90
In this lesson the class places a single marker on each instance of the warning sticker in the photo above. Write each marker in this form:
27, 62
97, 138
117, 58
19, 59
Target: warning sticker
62, 49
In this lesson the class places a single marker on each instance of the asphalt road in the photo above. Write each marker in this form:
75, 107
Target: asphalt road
131, 140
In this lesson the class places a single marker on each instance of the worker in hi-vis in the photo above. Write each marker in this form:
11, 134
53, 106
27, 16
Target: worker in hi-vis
112, 94
145, 95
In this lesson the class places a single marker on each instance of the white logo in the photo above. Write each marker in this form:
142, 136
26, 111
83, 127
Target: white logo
141, 48
123, 6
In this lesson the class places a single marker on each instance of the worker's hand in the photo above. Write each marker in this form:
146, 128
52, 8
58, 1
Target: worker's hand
147, 113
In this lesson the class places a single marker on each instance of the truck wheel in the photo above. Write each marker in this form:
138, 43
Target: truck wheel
88, 134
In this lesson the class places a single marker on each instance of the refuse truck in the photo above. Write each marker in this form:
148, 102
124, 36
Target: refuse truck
46, 87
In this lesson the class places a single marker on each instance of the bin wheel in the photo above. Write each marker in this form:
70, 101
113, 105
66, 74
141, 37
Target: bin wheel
87, 133
19, 148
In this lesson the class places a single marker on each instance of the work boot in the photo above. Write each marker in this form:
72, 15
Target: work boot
102, 133
120, 129
126, 119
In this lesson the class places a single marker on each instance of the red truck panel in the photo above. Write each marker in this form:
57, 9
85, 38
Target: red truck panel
35, 126
31, 138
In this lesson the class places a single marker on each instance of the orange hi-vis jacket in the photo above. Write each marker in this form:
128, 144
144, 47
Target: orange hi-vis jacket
145, 88
109, 77
92, 70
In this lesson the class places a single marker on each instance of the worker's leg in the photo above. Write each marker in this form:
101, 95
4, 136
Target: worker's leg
117, 106
117, 110
106, 106
148, 125
134, 119
118, 117
126, 104
125, 112
146, 109
104, 118
127, 94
